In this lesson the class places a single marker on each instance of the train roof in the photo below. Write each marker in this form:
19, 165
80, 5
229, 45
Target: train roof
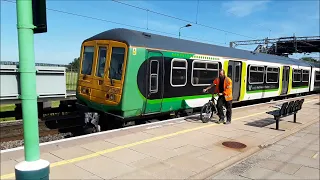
315, 64
149, 40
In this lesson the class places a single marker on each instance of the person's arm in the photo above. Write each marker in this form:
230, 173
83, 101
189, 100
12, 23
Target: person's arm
209, 87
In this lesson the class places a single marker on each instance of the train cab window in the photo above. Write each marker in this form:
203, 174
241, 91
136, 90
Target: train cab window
256, 74
296, 75
87, 61
178, 76
272, 75
102, 54
204, 72
317, 76
116, 64
154, 72
305, 75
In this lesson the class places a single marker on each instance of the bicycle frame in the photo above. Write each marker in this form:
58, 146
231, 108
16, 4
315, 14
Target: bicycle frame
213, 104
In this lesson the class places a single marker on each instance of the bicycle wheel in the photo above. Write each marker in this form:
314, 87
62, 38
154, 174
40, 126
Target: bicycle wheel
206, 113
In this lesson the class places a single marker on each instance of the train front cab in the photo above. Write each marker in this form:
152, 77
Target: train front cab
101, 74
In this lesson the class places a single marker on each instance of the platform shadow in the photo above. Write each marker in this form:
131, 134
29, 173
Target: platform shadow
193, 119
262, 122
196, 119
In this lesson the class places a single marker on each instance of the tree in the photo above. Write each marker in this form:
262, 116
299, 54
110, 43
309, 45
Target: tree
74, 65
309, 59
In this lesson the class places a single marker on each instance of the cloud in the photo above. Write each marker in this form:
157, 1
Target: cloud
244, 8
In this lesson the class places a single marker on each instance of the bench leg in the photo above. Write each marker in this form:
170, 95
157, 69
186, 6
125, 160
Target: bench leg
294, 117
277, 123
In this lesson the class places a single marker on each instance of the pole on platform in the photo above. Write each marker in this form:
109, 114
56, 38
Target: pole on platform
33, 167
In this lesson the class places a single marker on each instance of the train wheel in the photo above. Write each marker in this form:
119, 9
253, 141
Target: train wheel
91, 129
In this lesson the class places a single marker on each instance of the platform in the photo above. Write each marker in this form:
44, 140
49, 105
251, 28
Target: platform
182, 148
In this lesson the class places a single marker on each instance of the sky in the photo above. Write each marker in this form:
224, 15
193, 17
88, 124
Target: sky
215, 22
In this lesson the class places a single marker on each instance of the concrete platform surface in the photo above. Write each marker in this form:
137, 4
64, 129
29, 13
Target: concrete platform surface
184, 148
294, 157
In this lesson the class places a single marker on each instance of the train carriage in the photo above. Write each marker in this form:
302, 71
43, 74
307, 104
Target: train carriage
129, 74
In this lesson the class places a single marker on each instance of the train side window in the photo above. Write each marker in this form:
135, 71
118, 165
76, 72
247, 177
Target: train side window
317, 76
305, 75
237, 75
116, 64
230, 71
102, 54
154, 72
204, 72
178, 77
296, 75
88, 54
272, 75
256, 74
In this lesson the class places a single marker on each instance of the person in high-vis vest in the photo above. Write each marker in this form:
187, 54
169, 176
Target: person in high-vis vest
223, 87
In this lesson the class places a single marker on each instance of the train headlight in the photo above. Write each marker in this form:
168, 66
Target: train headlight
112, 97
85, 90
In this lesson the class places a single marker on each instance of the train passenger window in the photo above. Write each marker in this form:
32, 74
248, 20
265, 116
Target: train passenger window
272, 75
230, 71
296, 75
204, 72
116, 64
237, 75
317, 76
102, 54
178, 76
87, 60
305, 76
256, 74
154, 72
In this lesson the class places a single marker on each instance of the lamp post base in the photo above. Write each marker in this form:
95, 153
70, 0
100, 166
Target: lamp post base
34, 170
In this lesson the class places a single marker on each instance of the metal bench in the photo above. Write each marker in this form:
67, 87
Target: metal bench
286, 109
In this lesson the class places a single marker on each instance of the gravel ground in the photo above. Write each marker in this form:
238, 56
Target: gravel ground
48, 138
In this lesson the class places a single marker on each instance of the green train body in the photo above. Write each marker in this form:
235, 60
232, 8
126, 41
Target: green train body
162, 74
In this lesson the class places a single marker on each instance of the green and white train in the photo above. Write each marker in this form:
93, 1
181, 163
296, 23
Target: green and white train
131, 74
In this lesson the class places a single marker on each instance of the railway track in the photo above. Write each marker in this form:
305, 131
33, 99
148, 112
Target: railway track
63, 126
50, 128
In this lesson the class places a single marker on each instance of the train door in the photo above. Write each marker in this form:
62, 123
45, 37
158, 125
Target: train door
154, 83
98, 81
234, 73
285, 79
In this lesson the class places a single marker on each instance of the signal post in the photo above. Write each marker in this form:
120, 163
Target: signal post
31, 18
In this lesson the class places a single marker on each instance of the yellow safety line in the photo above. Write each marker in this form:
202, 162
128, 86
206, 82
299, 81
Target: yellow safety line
63, 162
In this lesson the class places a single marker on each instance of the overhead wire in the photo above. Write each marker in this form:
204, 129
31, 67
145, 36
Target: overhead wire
180, 19
100, 19
123, 24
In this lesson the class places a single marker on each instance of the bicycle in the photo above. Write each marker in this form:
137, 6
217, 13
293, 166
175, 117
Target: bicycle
208, 109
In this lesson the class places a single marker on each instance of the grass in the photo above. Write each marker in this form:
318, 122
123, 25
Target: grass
11, 107
7, 107
71, 81
71, 85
